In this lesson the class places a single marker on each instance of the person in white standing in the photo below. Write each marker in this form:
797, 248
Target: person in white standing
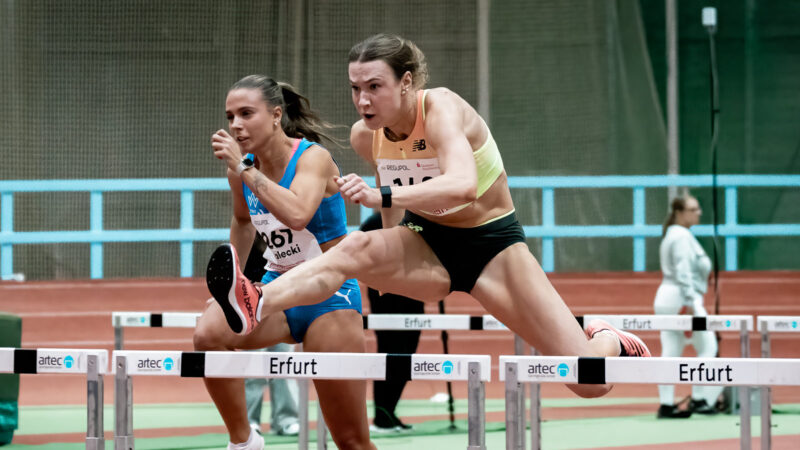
685, 266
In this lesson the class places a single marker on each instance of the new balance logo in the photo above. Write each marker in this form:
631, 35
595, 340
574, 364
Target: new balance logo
418, 145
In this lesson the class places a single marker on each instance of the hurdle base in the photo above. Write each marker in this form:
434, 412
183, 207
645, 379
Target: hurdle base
123, 443
94, 443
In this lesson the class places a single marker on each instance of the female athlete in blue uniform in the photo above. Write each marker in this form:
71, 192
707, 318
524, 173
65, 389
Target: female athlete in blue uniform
284, 190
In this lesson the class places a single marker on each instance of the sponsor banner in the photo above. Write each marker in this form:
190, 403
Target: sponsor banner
490, 323
7, 360
361, 366
57, 360
542, 369
714, 371
447, 367
179, 320
780, 324
130, 319
143, 362
665, 322
728, 323
418, 322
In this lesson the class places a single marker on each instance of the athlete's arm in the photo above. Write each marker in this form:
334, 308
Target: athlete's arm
444, 128
357, 190
295, 206
242, 230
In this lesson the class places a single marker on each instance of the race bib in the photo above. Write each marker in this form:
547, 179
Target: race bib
405, 172
286, 248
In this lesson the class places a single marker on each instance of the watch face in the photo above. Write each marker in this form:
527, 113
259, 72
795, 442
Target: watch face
247, 162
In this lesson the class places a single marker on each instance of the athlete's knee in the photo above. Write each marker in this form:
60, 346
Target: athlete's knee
206, 337
354, 243
355, 247
591, 390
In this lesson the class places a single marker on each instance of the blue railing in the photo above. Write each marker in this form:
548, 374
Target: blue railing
187, 234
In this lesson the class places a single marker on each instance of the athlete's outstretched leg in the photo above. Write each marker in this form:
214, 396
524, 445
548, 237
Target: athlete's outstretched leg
393, 260
514, 288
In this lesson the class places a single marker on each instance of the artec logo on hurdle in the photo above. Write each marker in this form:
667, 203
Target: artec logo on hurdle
433, 368
548, 370
155, 364
786, 325
56, 362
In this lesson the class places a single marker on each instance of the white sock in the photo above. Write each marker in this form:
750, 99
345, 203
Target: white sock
243, 445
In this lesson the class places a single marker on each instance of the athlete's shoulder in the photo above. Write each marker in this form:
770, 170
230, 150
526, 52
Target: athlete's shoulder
442, 95
315, 153
442, 103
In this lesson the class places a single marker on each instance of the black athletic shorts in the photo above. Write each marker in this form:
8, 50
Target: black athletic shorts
464, 252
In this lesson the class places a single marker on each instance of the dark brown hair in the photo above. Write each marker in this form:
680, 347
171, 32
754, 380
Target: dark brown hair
400, 54
298, 119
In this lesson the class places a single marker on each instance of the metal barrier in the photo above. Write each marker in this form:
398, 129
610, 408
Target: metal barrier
641, 322
142, 319
187, 234
767, 325
741, 372
121, 320
476, 369
93, 363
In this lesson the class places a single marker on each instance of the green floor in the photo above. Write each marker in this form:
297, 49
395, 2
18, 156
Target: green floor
557, 434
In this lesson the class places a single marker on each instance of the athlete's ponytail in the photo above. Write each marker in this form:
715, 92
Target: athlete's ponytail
678, 204
298, 119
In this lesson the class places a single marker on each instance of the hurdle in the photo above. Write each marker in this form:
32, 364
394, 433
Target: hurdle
585, 370
93, 363
409, 322
141, 319
415, 322
644, 322
475, 369
767, 325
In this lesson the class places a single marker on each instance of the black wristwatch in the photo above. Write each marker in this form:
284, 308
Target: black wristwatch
244, 164
386, 196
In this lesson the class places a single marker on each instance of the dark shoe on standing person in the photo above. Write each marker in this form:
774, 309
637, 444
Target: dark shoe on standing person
672, 412
701, 407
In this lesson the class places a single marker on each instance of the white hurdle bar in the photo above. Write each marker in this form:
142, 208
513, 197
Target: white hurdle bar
141, 319
644, 322
93, 363
767, 325
583, 370
407, 322
476, 369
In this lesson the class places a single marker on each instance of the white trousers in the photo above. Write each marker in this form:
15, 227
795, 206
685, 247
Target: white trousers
669, 300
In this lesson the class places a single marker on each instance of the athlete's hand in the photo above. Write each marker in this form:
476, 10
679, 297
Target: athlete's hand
226, 148
355, 190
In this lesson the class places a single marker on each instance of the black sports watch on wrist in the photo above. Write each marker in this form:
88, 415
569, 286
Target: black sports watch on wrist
386, 196
244, 164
